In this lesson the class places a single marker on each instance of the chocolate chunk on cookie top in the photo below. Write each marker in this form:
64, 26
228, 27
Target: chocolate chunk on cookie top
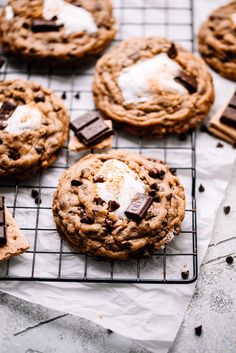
110, 212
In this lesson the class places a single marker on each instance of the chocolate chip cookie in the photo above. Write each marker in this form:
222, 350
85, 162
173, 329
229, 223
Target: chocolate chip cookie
217, 41
33, 128
153, 86
59, 30
118, 205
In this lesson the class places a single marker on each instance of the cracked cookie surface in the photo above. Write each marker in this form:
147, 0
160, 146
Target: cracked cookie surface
92, 196
217, 40
31, 137
137, 85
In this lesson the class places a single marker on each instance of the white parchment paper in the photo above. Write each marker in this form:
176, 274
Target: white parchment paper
149, 313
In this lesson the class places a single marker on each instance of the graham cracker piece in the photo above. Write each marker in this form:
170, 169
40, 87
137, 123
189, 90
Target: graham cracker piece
76, 146
16, 242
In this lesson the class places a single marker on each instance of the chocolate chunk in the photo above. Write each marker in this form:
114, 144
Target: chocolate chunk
13, 154
156, 199
188, 81
229, 117
152, 193
201, 188
2, 62
98, 201
6, 110
227, 209
2, 217
77, 95
39, 149
37, 200
63, 96
76, 182
39, 98
99, 179
41, 25
138, 207
94, 133
3, 236
2, 202
172, 51
113, 205
198, 330
87, 219
83, 121
229, 260
156, 173
185, 274
34, 193
154, 186
219, 145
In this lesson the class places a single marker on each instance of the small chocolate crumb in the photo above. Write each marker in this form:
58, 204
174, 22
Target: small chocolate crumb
185, 274
76, 182
77, 95
198, 330
226, 209
99, 179
63, 96
229, 260
37, 200
98, 201
87, 219
219, 145
201, 188
156, 173
113, 205
203, 128
34, 193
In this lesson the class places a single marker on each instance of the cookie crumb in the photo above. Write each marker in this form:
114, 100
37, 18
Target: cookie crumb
198, 330
201, 188
229, 260
226, 209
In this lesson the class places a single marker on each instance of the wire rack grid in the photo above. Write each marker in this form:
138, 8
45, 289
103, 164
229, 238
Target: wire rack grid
49, 258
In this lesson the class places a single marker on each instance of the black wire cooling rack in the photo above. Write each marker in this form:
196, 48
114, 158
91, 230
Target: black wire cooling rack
49, 258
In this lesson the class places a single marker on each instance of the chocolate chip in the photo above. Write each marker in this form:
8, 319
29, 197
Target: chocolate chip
173, 171
63, 96
99, 179
154, 186
201, 188
34, 193
76, 182
229, 260
172, 51
3, 124
152, 193
156, 199
13, 154
25, 25
113, 205
37, 200
6, 110
219, 145
39, 149
98, 201
39, 98
109, 331
203, 128
156, 173
182, 137
77, 95
185, 274
87, 219
198, 330
226, 209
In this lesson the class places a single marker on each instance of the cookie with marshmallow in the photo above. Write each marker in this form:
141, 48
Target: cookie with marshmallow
34, 126
58, 30
153, 86
118, 205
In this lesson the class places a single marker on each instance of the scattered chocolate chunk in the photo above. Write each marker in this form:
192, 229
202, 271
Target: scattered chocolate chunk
226, 209
34, 193
198, 330
98, 201
77, 95
219, 145
201, 188
138, 207
99, 179
63, 96
172, 51
154, 186
152, 193
6, 110
185, 274
203, 128
39, 98
83, 121
41, 25
87, 219
2, 62
188, 81
76, 182
182, 137
94, 133
113, 205
39, 149
173, 171
156, 173
229, 117
37, 200
229, 260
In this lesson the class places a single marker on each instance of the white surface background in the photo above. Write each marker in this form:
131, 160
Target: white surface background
149, 313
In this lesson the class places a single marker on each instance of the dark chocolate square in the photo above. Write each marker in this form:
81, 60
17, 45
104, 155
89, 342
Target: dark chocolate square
83, 121
229, 117
138, 207
94, 133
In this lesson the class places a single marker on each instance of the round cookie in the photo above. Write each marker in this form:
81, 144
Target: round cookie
93, 196
60, 30
33, 128
153, 86
217, 41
